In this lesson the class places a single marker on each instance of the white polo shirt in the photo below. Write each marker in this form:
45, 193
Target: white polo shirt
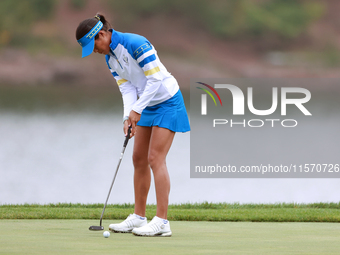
142, 78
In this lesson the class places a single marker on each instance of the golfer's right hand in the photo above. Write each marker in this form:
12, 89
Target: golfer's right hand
127, 124
134, 117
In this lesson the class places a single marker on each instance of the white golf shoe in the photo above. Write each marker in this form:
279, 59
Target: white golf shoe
156, 227
131, 222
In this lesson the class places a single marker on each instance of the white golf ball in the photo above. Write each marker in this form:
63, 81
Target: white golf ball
106, 234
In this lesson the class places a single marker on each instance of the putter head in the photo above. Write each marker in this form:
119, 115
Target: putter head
96, 228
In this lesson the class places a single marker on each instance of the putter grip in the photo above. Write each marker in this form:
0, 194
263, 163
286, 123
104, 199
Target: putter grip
127, 137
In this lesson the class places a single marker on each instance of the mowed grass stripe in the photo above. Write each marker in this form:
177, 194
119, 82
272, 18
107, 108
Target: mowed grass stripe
73, 237
184, 212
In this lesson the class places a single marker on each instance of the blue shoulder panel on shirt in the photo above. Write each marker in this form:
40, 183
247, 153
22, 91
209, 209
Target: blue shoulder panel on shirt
141, 49
136, 45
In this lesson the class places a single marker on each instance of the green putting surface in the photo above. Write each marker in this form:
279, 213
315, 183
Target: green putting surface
73, 237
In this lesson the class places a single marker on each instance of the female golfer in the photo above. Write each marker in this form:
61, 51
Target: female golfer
153, 107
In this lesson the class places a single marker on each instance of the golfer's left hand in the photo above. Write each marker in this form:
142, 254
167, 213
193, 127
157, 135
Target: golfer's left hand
134, 117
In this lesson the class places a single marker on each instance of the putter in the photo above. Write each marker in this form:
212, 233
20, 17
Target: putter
100, 227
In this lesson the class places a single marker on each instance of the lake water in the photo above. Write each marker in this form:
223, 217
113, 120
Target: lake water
51, 158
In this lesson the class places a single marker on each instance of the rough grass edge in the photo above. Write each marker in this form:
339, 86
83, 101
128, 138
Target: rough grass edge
204, 205
280, 212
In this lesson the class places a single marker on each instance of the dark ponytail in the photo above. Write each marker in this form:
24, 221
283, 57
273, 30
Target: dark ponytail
85, 26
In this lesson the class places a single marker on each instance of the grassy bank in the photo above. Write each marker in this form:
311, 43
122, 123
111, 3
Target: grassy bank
281, 212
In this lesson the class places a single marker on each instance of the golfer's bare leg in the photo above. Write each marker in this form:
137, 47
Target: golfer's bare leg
160, 143
142, 176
